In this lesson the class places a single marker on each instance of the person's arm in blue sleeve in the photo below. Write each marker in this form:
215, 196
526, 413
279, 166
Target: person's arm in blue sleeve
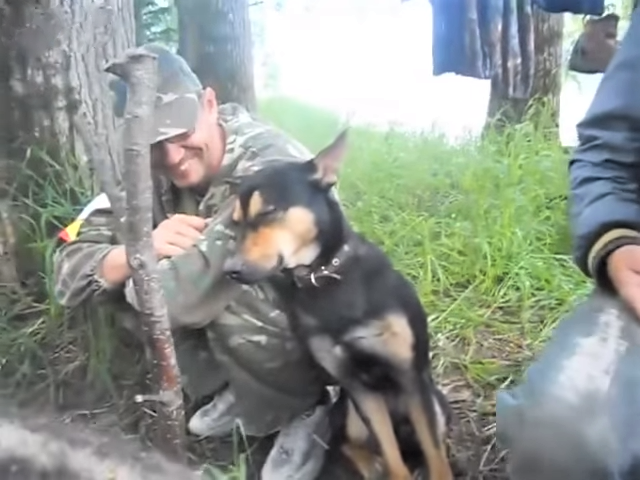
604, 170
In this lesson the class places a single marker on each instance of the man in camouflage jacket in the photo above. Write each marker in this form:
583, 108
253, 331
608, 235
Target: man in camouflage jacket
231, 340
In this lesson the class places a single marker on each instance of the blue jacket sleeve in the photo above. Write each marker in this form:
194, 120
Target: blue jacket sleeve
578, 7
604, 170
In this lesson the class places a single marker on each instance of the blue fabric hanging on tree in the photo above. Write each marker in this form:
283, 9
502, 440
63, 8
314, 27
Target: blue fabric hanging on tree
494, 38
469, 39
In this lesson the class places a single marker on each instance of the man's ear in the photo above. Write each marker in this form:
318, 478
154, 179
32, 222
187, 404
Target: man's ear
328, 161
210, 101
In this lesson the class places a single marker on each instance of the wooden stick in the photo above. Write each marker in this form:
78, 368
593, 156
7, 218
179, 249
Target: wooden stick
139, 70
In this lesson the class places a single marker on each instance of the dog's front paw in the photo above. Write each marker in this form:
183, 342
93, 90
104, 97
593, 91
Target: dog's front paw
400, 474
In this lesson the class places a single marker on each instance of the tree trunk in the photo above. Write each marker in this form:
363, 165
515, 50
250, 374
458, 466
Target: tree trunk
141, 34
51, 61
547, 79
215, 39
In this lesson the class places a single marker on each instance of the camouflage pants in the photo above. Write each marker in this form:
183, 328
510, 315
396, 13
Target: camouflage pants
273, 378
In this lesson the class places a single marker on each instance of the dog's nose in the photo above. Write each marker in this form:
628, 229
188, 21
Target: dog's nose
233, 267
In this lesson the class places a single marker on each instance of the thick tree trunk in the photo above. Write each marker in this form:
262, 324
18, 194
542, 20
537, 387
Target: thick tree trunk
51, 61
547, 80
215, 39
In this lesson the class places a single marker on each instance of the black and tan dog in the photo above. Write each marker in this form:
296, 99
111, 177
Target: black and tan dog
360, 318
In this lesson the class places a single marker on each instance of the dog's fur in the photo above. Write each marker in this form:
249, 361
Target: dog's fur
37, 447
360, 318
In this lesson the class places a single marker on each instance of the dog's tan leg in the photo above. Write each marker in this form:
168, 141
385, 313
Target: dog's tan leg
375, 409
368, 465
436, 458
355, 449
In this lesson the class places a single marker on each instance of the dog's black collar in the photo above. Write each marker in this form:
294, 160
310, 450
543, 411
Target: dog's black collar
309, 276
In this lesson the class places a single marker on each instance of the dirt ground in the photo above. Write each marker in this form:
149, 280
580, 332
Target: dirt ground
473, 450
474, 453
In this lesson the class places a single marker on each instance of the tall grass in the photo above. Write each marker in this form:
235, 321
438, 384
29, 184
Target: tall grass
42, 345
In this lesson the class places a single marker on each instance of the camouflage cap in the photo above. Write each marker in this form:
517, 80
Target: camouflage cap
178, 98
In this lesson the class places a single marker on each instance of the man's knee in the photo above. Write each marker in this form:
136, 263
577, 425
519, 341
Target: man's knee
273, 376
201, 373
555, 441
560, 421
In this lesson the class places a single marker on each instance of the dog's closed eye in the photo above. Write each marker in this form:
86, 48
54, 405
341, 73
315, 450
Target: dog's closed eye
256, 211
266, 213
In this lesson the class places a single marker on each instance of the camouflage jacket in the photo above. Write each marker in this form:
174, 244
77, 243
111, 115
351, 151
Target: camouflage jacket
195, 289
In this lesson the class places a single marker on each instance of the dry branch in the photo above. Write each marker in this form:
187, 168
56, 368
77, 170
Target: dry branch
139, 70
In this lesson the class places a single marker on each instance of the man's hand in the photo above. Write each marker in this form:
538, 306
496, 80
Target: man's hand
172, 237
177, 233
623, 267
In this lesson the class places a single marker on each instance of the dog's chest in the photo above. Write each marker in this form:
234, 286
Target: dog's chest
335, 326
330, 311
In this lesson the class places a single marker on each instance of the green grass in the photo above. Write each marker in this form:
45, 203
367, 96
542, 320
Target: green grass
41, 345
480, 228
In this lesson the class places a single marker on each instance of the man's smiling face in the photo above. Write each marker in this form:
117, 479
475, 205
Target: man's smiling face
189, 159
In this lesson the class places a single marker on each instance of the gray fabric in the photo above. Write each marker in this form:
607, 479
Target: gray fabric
201, 374
300, 448
576, 413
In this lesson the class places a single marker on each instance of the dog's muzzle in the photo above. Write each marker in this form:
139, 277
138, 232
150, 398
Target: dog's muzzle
239, 270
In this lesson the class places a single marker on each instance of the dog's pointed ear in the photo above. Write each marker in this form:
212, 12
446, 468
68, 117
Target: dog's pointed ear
328, 162
233, 183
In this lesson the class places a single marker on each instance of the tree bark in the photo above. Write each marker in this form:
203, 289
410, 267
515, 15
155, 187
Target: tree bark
141, 34
215, 39
548, 32
51, 60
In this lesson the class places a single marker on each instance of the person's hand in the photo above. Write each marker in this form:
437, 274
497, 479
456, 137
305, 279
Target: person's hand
623, 267
177, 233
